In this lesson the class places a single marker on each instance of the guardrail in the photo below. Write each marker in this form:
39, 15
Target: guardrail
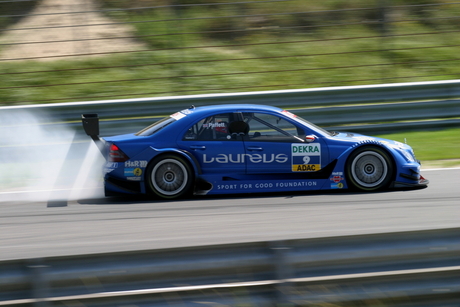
419, 268
370, 108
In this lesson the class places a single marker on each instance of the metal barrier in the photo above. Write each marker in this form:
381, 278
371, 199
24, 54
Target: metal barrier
371, 108
419, 268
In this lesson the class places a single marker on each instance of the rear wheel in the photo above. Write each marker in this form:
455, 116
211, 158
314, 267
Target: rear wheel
369, 168
169, 177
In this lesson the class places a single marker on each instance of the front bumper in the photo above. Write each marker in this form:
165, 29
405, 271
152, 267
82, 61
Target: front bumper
409, 176
422, 183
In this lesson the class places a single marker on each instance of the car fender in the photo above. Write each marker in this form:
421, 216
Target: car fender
343, 158
183, 153
399, 162
149, 154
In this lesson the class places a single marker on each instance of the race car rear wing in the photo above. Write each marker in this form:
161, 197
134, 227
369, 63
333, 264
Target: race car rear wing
91, 125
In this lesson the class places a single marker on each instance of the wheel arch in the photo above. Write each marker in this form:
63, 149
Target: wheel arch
370, 144
181, 153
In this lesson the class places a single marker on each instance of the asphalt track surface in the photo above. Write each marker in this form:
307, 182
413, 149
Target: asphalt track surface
86, 226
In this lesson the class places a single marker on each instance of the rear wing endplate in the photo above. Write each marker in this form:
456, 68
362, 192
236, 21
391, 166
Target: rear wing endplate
91, 125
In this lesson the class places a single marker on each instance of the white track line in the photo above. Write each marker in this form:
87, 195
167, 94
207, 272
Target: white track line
440, 169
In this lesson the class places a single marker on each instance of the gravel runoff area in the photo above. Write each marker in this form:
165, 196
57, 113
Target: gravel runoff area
65, 27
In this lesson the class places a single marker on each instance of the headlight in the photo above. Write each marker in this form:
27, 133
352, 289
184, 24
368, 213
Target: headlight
410, 157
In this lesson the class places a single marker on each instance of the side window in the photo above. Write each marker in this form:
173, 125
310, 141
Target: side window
213, 128
271, 128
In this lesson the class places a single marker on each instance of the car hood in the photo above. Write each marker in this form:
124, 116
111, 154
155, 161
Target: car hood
357, 138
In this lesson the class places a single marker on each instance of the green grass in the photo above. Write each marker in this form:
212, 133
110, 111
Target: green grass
432, 145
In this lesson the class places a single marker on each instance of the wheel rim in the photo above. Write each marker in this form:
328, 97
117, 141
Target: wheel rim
369, 169
169, 177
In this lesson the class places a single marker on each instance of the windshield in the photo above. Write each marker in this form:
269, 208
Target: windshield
306, 122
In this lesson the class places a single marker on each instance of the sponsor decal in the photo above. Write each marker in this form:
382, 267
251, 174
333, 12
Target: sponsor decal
306, 167
242, 158
306, 157
186, 111
213, 125
287, 113
134, 178
220, 127
133, 172
337, 177
337, 185
134, 164
110, 167
296, 184
178, 115
190, 136
266, 185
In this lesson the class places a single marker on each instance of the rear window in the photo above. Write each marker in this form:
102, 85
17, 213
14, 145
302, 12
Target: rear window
156, 126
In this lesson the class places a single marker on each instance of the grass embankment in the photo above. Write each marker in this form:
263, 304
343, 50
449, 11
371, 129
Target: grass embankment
253, 46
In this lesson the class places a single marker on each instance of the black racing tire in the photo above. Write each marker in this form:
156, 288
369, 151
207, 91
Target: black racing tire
169, 177
369, 168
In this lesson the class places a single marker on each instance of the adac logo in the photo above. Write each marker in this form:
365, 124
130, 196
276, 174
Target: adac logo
306, 168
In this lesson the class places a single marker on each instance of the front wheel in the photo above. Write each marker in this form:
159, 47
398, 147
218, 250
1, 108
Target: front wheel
369, 168
169, 177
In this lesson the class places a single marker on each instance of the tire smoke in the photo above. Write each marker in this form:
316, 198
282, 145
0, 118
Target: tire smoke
42, 159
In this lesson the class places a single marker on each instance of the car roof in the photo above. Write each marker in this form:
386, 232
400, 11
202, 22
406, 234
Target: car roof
233, 108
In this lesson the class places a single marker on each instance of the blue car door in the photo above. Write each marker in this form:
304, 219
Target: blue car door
276, 145
214, 148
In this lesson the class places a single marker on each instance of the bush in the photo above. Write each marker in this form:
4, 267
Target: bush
12, 12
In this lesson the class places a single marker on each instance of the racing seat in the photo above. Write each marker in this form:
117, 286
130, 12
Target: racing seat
238, 128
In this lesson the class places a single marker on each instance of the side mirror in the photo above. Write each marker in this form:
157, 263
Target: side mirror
310, 138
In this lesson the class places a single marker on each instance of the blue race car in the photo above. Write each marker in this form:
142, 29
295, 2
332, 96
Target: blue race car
227, 149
